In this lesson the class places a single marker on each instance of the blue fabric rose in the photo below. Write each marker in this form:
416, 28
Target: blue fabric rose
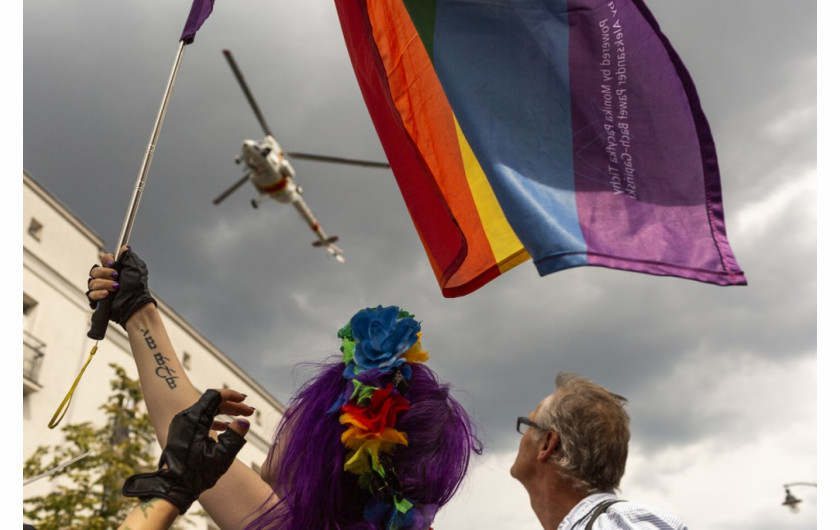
390, 515
381, 335
423, 515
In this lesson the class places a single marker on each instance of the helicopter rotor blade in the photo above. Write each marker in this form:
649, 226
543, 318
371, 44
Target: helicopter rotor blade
231, 189
247, 91
337, 160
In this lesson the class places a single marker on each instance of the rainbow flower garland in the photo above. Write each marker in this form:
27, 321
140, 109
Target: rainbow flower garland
378, 347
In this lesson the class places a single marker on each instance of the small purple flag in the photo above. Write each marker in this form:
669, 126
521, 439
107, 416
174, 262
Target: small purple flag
199, 12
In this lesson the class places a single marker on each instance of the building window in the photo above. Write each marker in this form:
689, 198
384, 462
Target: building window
33, 356
29, 304
33, 348
185, 361
35, 229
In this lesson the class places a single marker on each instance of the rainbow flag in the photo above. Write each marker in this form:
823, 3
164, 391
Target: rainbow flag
564, 131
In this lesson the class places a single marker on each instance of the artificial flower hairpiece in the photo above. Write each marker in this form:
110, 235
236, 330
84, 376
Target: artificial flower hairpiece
379, 345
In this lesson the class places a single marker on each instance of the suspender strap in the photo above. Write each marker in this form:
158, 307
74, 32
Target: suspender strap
599, 509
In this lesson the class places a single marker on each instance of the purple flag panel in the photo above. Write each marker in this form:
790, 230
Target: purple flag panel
199, 12
642, 137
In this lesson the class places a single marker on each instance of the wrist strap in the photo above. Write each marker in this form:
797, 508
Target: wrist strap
65, 404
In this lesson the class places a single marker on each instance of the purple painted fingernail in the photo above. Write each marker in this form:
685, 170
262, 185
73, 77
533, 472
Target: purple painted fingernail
242, 423
109, 263
115, 275
116, 285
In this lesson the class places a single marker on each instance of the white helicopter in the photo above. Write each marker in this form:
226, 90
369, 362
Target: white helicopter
268, 168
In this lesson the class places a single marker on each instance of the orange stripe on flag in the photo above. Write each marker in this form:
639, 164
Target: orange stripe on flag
428, 120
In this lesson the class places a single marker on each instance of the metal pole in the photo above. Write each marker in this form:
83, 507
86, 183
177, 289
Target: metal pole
99, 321
131, 213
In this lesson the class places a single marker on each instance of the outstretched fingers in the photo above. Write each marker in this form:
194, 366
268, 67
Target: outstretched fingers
233, 405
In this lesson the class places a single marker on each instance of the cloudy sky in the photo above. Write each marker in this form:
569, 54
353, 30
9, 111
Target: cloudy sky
722, 382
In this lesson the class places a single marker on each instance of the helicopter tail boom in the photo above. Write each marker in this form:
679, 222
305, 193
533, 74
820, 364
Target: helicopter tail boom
323, 240
331, 249
335, 252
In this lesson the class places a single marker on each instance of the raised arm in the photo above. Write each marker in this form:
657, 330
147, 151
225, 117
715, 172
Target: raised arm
167, 389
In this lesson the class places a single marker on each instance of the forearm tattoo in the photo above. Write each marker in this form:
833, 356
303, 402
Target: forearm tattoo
163, 371
145, 506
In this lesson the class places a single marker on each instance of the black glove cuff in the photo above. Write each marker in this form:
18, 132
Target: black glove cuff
147, 486
130, 309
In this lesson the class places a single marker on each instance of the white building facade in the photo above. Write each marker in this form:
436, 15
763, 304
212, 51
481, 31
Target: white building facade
57, 251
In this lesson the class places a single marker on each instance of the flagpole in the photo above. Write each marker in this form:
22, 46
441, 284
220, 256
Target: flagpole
101, 316
199, 11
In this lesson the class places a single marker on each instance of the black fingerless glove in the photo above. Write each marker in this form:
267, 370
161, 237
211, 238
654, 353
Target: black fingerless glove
134, 288
192, 461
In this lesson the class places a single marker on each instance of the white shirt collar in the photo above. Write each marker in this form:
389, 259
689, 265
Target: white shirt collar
580, 512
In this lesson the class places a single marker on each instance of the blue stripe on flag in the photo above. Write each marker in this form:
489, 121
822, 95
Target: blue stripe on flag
505, 71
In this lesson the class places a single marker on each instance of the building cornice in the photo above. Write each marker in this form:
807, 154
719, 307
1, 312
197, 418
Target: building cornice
62, 210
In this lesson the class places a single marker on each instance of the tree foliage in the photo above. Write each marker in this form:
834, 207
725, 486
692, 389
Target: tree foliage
88, 494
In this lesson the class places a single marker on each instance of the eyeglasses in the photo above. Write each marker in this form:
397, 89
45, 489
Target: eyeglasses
522, 420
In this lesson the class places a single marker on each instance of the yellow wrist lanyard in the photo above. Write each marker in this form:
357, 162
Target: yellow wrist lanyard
65, 404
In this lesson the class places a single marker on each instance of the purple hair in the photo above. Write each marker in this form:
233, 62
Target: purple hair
313, 489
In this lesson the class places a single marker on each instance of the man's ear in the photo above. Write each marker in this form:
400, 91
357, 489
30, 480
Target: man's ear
548, 445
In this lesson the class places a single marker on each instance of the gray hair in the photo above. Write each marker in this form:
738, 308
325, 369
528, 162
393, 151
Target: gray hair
594, 431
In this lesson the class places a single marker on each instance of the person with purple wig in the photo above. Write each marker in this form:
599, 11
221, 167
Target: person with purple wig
373, 440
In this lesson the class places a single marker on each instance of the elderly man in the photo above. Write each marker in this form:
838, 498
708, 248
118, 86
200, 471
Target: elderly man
571, 459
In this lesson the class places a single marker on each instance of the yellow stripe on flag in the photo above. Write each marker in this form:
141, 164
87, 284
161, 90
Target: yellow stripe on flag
506, 247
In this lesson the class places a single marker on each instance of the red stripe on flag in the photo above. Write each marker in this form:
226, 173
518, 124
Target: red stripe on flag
421, 143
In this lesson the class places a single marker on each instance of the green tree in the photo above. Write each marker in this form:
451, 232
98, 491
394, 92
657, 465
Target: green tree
88, 493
